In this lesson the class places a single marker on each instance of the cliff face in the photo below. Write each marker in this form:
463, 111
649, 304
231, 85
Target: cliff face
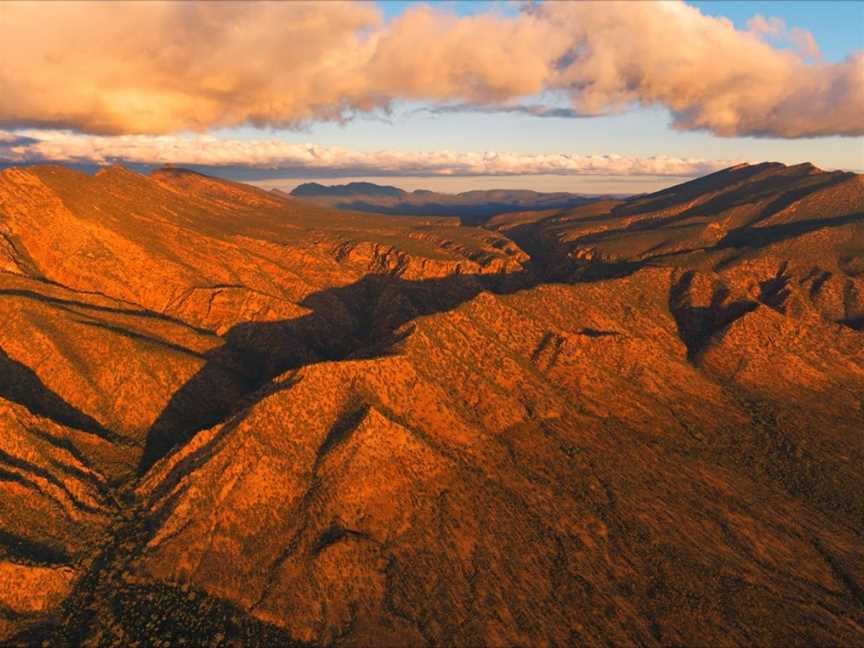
231, 416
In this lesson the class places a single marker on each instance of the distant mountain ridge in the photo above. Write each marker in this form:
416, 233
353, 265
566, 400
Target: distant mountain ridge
351, 189
472, 207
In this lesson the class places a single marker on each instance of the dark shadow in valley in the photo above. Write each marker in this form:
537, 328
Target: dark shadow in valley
856, 323
360, 320
759, 237
19, 384
697, 325
27, 551
75, 306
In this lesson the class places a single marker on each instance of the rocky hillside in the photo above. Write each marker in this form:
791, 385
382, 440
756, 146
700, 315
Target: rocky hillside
229, 416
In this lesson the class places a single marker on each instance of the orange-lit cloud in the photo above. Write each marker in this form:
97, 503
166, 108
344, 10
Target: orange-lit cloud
153, 67
775, 28
209, 151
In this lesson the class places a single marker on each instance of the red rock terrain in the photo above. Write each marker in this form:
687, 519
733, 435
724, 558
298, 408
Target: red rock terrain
231, 417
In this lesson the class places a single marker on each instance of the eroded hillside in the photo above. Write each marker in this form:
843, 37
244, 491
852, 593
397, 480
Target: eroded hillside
229, 416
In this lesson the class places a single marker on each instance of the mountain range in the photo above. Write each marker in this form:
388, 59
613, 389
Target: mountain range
232, 416
471, 207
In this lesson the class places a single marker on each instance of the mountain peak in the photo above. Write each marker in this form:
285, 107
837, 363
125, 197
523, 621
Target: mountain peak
351, 189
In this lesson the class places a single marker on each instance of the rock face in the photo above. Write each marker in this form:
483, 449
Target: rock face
229, 416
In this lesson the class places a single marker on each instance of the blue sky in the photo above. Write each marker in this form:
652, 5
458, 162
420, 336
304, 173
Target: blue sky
838, 28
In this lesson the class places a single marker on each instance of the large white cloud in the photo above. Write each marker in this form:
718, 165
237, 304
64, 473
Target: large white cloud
161, 67
206, 150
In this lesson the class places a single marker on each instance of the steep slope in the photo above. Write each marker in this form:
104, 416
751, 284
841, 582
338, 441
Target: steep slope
83, 378
794, 232
227, 416
179, 243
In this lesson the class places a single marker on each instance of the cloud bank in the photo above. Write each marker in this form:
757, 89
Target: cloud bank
154, 67
307, 159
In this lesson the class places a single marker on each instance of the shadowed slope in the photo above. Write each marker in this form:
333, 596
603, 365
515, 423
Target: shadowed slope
345, 322
19, 384
751, 224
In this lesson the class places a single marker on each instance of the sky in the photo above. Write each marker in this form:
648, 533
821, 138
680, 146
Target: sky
588, 97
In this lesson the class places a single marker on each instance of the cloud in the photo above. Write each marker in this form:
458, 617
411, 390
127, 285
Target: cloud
163, 67
775, 28
309, 159
14, 139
